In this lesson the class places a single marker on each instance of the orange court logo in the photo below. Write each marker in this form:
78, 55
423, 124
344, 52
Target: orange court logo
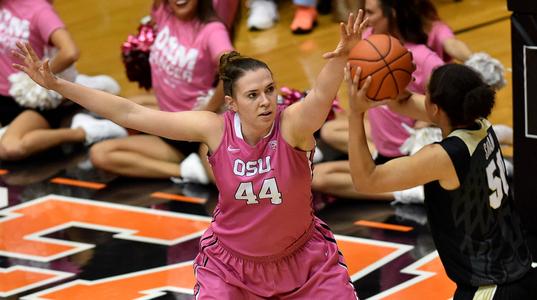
23, 230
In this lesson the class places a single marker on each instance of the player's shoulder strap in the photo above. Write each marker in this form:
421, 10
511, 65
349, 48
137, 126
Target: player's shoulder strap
461, 145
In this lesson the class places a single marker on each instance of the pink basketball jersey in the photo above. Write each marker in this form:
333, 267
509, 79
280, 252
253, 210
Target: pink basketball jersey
264, 204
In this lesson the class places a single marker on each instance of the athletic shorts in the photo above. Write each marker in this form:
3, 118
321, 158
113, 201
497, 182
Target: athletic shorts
524, 288
186, 148
10, 109
381, 159
312, 268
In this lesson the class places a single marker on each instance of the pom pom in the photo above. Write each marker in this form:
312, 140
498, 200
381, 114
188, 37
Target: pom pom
29, 94
289, 96
419, 138
490, 69
135, 54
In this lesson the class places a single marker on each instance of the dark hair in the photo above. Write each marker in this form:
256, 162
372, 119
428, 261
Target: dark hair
233, 66
428, 10
204, 11
461, 93
408, 19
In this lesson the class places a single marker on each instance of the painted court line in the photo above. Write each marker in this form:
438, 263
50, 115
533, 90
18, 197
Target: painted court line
3, 197
383, 226
176, 197
78, 183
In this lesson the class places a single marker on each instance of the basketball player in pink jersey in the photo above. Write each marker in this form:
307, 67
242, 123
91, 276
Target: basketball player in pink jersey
264, 241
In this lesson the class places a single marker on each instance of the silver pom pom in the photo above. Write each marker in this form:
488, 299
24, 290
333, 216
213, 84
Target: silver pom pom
491, 69
419, 138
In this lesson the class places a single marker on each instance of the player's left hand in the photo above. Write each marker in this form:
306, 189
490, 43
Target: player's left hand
350, 34
358, 100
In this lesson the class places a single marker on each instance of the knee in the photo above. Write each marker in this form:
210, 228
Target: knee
12, 150
100, 154
319, 182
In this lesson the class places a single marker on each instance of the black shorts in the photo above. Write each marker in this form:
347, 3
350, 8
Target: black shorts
186, 148
524, 288
10, 109
381, 159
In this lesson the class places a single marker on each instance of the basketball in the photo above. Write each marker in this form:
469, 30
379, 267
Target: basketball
387, 61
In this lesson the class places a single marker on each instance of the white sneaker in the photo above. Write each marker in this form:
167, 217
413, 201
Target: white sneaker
192, 170
103, 83
263, 14
509, 168
85, 165
317, 155
409, 196
2, 131
96, 129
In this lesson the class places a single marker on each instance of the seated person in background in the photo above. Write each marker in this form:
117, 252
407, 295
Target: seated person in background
33, 114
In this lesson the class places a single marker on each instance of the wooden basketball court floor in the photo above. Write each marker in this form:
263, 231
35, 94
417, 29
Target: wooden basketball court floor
68, 232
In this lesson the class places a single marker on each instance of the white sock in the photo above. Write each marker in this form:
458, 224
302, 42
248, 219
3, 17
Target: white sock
317, 155
412, 195
192, 170
504, 134
2, 131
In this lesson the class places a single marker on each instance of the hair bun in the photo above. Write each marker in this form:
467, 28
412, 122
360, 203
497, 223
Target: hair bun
478, 103
225, 60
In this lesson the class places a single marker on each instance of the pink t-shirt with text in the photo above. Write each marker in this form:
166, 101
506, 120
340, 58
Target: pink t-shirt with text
31, 21
184, 59
387, 131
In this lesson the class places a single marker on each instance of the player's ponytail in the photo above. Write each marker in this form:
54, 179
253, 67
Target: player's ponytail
233, 66
461, 93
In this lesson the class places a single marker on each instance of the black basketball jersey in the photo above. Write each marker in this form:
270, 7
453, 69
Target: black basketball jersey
476, 230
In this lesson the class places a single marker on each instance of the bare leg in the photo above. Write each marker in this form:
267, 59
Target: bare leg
143, 156
336, 133
334, 178
30, 133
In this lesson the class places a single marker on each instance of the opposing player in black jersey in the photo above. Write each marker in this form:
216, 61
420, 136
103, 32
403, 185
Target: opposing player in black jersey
475, 227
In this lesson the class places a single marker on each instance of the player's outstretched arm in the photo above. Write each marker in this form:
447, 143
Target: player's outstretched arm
308, 116
430, 163
178, 126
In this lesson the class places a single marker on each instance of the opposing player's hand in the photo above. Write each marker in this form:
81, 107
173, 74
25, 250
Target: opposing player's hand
350, 34
37, 70
358, 100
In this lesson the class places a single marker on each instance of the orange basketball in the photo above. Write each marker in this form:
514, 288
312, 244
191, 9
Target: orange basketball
387, 61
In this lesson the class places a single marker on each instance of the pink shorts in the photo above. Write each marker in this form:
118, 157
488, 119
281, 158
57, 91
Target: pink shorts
313, 268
